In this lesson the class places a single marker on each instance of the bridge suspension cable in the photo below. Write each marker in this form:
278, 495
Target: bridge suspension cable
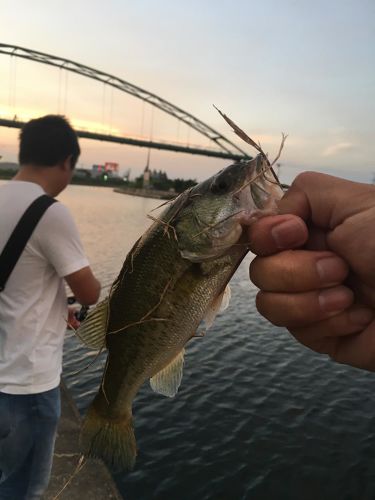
228, 148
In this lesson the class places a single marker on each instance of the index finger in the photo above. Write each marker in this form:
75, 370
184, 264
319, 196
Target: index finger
324, 199
274, 233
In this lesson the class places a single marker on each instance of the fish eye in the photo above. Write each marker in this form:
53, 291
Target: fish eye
219, 186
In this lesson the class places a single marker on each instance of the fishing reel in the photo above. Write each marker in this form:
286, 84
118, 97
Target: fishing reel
82, 313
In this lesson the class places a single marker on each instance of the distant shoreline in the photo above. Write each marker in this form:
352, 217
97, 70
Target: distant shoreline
111, 183
8, 174
146, 193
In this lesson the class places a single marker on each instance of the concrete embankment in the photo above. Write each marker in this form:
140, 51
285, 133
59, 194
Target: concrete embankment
93, 481
147, 193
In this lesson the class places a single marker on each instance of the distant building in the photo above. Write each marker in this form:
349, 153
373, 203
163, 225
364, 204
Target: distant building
109, 168
146, 177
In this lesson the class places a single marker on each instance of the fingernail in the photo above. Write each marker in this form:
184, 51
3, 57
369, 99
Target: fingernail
362, 316
289, 234
335, 299
330, 270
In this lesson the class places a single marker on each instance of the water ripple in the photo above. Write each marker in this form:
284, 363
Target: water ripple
257, 416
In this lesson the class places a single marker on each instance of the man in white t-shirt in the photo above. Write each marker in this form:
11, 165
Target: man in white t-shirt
33, 307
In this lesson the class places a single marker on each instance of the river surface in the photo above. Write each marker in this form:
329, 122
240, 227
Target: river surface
257, 416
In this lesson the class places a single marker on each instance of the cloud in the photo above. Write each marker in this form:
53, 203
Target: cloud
337, 148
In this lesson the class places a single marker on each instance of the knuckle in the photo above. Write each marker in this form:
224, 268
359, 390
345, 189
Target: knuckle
265, 307
290, 275
277, 273
262, 272
293, 312
290, 310
253, 271
259, 304
304, 178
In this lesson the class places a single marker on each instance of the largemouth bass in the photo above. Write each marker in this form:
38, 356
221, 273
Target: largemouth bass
175, 276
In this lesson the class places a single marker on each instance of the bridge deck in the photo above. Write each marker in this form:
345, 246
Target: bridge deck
142, 143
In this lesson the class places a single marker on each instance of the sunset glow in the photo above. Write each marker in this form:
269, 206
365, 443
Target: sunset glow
309, 75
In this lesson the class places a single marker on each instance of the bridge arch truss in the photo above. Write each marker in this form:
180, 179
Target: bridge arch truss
227, 149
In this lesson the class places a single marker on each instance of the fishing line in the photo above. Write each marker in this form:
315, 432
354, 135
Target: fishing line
59, 92
65, 92
91, 363
111, 110
211, 226
81, 463
103, 105
10, 82
152, 124
146, 318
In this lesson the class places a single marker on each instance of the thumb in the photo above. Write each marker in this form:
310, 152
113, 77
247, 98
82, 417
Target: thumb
326, 200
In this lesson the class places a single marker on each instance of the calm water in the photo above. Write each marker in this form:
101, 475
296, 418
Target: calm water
257, 415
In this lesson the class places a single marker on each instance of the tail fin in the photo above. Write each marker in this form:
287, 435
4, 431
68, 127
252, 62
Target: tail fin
111, 440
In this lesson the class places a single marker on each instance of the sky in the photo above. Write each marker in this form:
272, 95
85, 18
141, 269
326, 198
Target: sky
300, 67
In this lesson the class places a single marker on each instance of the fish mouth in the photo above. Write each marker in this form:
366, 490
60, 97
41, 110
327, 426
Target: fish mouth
228, 231
264, 189
249, 198
255, 170
222, 235
232, 237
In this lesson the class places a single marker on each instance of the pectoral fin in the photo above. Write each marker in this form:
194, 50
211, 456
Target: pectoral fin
219, 304
168, 380
93, 329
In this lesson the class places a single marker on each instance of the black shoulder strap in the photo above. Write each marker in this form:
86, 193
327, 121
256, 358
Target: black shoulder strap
20, 236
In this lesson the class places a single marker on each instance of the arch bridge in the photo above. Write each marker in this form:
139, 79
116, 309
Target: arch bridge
223, 147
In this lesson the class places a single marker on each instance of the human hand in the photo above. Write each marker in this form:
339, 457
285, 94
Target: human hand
315, 267
72, 321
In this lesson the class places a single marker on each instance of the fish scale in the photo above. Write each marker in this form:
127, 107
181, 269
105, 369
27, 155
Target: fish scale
188, 290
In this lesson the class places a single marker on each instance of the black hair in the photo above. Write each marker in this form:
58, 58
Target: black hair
47, 141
